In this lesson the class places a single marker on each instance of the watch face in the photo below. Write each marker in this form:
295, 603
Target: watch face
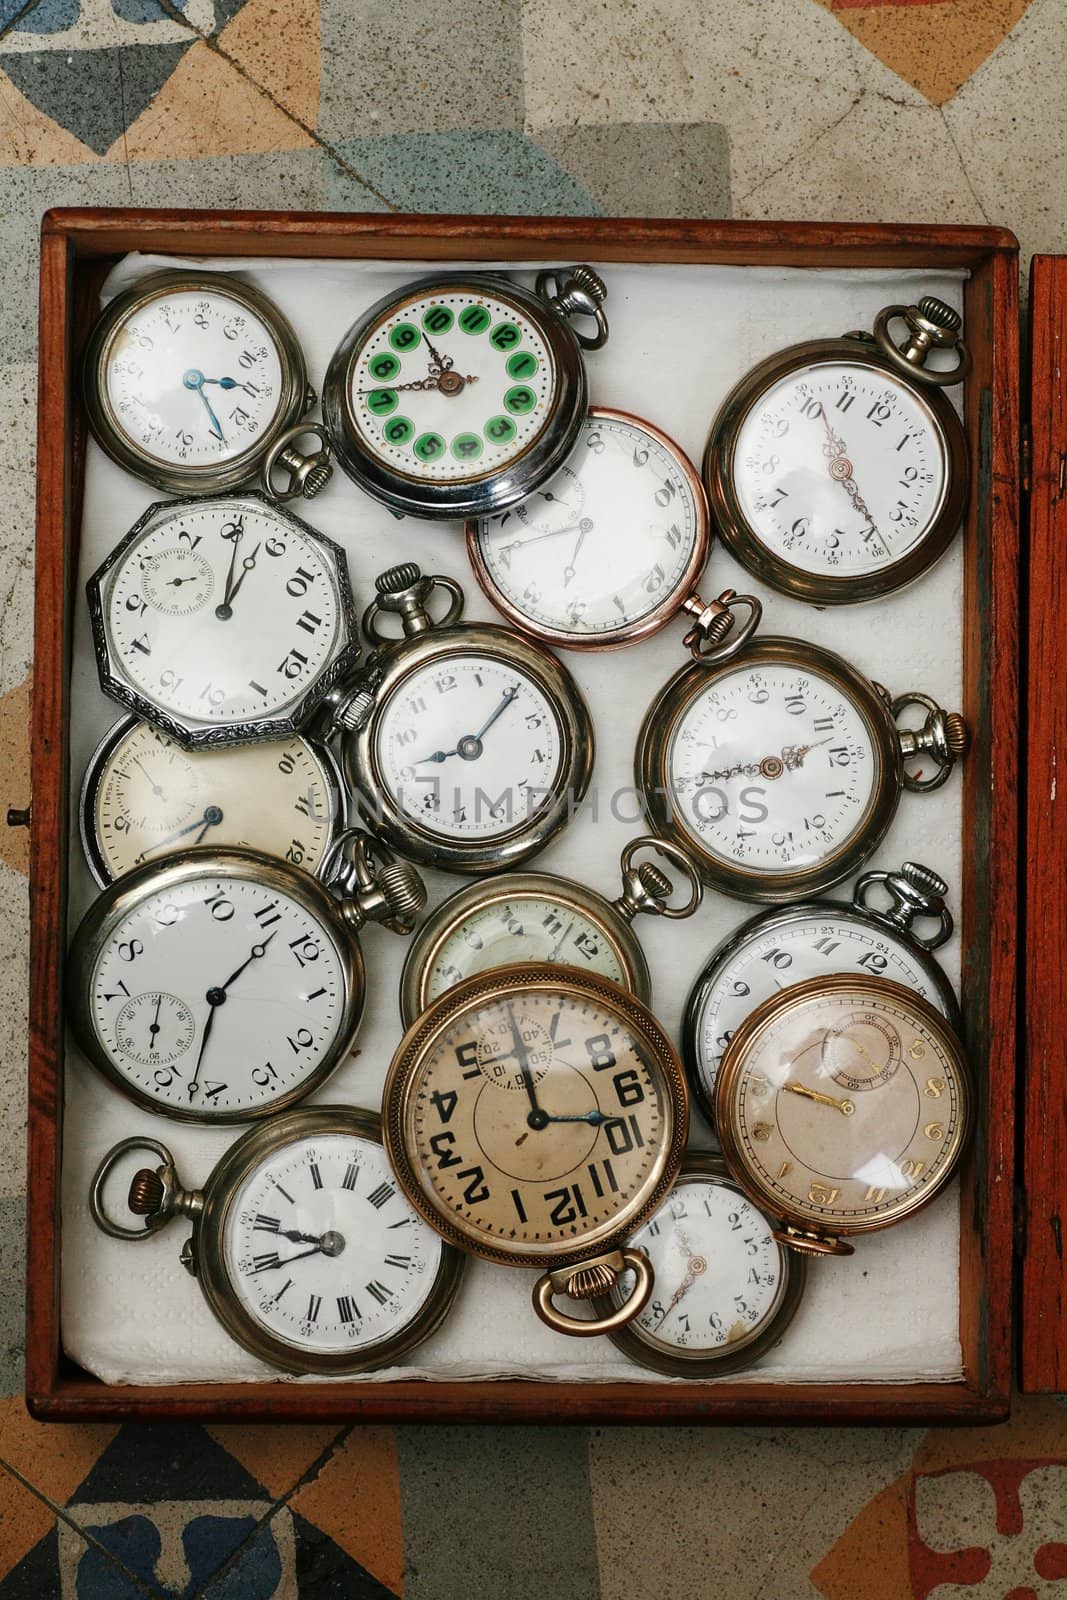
720, 1273
192, 377
611, 543
469, 746
536, 1122
845, 1103
146, 798
786, 948
217, 995
223, 612
840, 468
322, 1250
773, 767
451, 385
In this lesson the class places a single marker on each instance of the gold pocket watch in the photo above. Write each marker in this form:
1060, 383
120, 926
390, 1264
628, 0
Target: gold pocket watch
843, 1104
143, 797
778, 766
303, 1247
837, 469
536, 1116
726, 1288
195, 382
538, 917
221, 985
465, 745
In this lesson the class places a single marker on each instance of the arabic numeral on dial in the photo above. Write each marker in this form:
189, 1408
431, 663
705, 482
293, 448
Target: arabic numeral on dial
302, 1040
740, 988
594, 441
221, 908
598, 1048
602, 1173
444, 1102
135, 603
263, 1076
628, 1088
795, 704
275, 547
666, 493
640, 456
879, 413
623, 1135
293, 664
299, 583
296, 853
874, 961
130, 950
476, 1190
183, 438
810, 407
566, 1204
442, 1146
213, 696
305, 949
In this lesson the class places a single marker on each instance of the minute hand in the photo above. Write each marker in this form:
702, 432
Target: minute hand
508, 697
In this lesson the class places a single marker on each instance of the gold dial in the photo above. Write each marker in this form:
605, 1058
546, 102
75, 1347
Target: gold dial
535, 1112
843, 1104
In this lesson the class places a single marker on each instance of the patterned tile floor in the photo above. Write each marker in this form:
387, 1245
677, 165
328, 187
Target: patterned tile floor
942, 110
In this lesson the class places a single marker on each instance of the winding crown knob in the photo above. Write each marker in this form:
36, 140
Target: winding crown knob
956, 735
585, 277
146, 1192
595, 1280
402, 889
396, 579
318, 476
940, 314
924, 880
654, 881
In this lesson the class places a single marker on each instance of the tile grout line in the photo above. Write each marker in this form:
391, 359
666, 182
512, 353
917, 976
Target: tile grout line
31, 5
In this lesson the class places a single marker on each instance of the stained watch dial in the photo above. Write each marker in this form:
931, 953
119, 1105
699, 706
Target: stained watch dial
523, 927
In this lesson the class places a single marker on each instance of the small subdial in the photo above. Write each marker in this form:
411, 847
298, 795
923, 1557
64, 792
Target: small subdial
176, 581
560, 503
154, 1029
501, 1056
861, 1052
157, 789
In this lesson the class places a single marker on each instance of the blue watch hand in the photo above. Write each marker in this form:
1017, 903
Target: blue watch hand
595, 1119
223, 383
195, 380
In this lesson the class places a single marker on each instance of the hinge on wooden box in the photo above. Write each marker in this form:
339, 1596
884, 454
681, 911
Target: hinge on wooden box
1025, 456
1020, 1221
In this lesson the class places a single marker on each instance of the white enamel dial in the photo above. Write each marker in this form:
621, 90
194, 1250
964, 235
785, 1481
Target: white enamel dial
223, 611
449, 386
322, 1249
792, 461
785, 949
149, 798
523, 927
607, 543
217, 995
469, 746
193, 377
773, 768
720, 1272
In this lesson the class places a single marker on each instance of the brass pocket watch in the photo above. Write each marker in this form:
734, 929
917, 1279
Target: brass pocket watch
837, 469
843, 1105
222, 620
894, 923
538, 917
303, 1247
222, 985
143, 797
536, 1116
726, 1288
777, 765
609, 550
465, 745
195, 382
464, 392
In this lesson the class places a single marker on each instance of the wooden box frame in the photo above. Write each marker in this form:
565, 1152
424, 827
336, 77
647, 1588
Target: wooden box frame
77, 248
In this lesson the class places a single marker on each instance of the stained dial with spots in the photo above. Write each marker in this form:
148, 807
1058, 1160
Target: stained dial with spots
840, 468
192, 377
525, 927
322, 1249
774, 768
217, 996
449, 386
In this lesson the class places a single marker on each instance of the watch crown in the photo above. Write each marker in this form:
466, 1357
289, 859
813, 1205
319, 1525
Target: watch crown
593, 1281
146, 1192
403, 891
654, 881
940, 314
924, 880
317, 478
956, 736
585, 277
399, 578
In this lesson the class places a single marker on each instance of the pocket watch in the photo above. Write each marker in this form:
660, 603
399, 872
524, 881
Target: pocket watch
837, 469
304, 1248
537, 917
222, 620
195, 382
777, 765
222, 985
726, 1288
842, 1105
536, 1116
143, 797
778, 948
609, 550
466, 747
463, 393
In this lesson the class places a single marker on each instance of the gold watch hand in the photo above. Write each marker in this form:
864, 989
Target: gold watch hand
845, 1107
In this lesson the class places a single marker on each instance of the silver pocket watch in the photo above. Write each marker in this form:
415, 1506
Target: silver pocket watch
303, 1246
223, 986
463, 392
195, 382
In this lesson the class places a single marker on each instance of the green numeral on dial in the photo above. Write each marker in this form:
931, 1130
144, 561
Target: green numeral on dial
466, 447
438, 319
520, 400
405, 336
399, 430
429, 446
475, 319
383, 366
521, 365
382, 401
505, 336
500, 430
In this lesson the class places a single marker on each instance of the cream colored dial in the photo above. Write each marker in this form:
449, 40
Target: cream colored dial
522, 927
145, 798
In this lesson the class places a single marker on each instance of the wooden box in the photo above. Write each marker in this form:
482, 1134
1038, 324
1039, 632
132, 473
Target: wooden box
78, 247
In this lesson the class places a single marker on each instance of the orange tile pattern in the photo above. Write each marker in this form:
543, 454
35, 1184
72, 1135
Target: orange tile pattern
935, 45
